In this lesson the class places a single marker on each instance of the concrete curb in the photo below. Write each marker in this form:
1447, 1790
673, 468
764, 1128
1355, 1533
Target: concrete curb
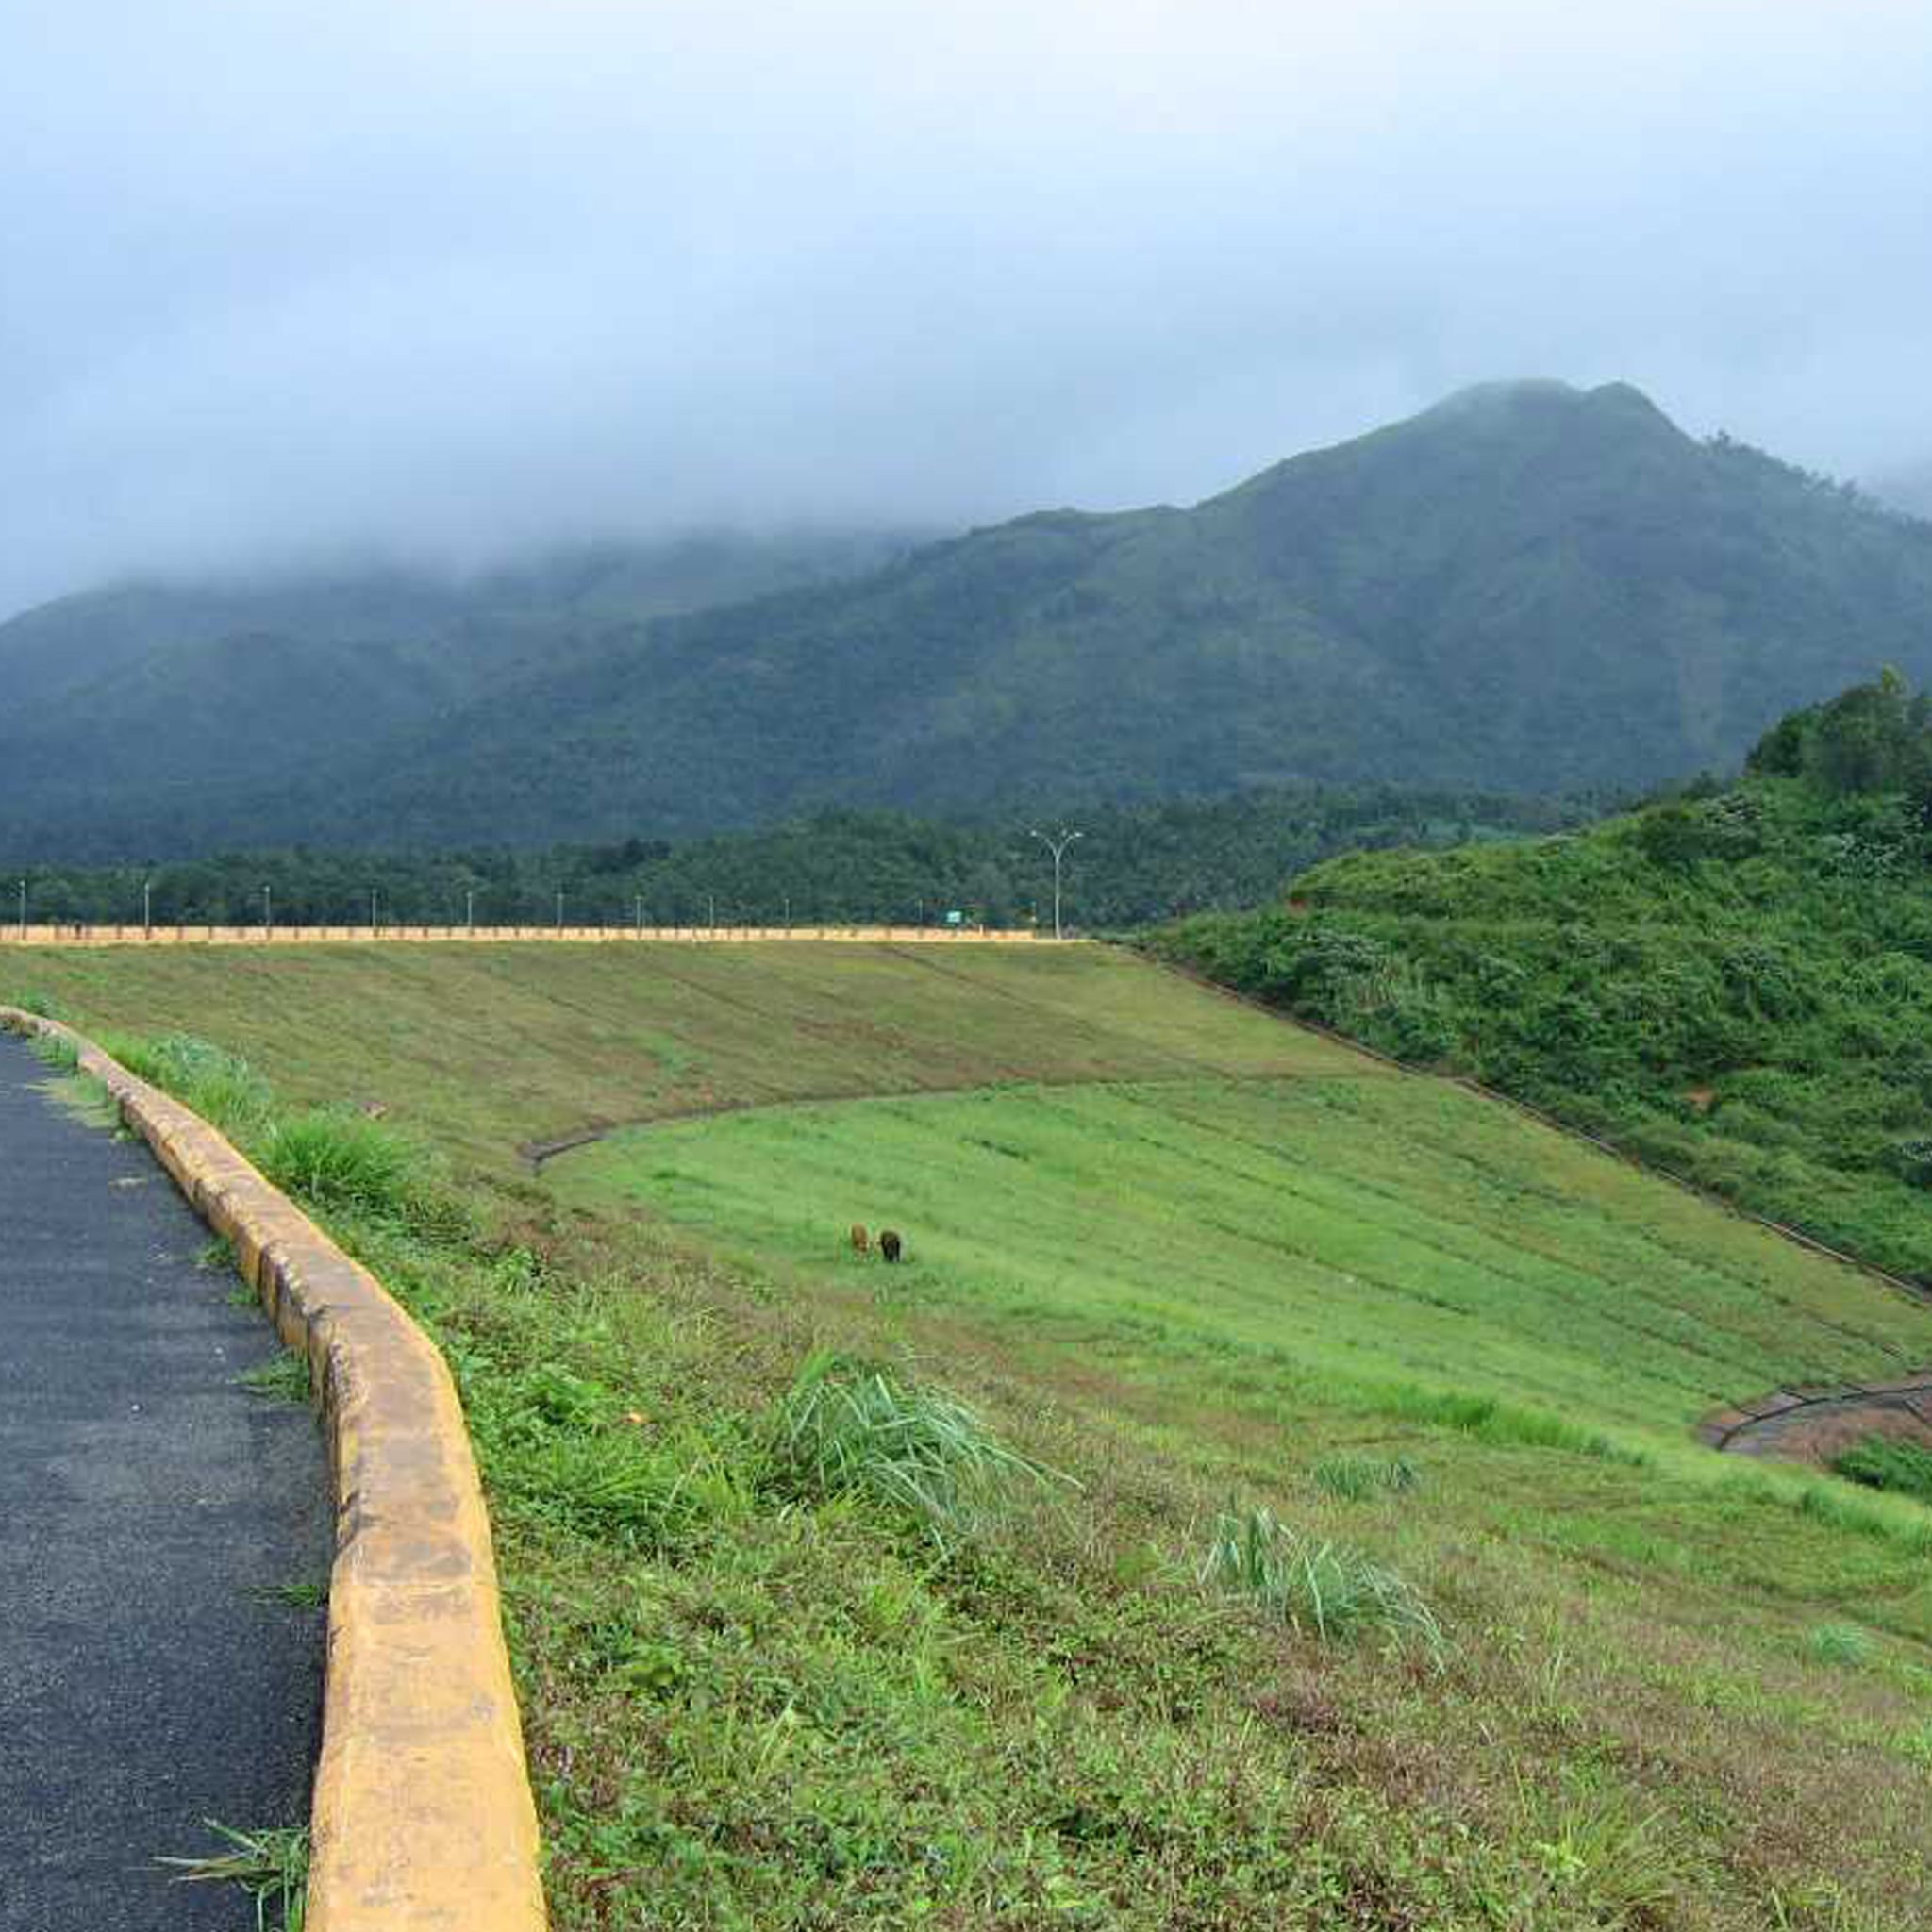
421, 1820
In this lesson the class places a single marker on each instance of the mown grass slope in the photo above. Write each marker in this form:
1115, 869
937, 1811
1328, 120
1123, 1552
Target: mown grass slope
1371, 1242
489, 1048
1282, 1333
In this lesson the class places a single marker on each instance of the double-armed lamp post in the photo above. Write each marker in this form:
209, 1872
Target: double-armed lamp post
1055, 842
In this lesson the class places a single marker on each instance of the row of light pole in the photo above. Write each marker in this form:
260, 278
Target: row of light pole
1057, 843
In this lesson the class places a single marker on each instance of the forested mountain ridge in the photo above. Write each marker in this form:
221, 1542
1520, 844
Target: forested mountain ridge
177, 708
1529, 586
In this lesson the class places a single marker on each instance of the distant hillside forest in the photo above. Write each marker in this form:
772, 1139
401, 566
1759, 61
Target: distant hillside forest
1736, 984
1529, 588
1131, 867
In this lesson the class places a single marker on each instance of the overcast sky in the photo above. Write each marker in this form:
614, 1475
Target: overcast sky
454, 278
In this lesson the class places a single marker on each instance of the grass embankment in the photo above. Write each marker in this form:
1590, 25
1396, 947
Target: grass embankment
1261, 1499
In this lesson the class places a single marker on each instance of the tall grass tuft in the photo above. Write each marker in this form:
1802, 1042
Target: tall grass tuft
1603, 1855
56, 1050
849, 1427
1839, 1644
336, 1159
1491, 1420
272, 1867
1320, 1589
1362, 1478
220, 1086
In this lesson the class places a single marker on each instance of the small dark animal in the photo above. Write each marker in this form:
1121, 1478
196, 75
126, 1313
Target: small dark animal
861, 1242
889, 1244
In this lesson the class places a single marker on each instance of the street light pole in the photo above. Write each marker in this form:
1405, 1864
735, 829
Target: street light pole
1056, 845
560, 908
268, 916
23, 908
147, 906
371, 911
469, 911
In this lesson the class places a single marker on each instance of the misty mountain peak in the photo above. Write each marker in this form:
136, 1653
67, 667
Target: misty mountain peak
1527, 398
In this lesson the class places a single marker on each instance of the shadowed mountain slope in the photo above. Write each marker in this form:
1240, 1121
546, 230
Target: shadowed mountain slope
1529, 586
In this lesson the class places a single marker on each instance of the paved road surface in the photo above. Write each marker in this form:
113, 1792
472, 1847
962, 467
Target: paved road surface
142, 1497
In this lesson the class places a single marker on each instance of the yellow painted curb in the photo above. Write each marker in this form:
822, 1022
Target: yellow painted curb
421, 1820
76, 934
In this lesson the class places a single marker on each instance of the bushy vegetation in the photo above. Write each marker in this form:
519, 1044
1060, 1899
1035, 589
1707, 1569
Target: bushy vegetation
851, 1428
1735, 983
1327, 1590
338, 1159
327, 1158
1887, 1462
220, 1086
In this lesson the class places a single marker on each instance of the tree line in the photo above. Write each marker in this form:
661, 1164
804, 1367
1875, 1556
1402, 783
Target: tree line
1133, 866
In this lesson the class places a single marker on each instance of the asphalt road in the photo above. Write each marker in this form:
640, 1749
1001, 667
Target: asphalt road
143, 1499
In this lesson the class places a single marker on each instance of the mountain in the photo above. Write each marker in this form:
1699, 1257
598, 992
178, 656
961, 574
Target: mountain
156, 717
1529, 587
1908, 490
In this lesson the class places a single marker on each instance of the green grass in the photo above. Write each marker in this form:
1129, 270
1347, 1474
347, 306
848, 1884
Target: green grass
1884, 1462
293, 1597
851, 1428
1840, 1643
1399, 1248
481, 1049
1365, 1479
56, 1052
1326, 1589
271, 1866
332, 1159
285, 1378
1181, 1252
219, 1085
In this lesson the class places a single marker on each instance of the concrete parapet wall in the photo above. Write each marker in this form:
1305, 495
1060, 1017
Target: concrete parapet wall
32, 935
